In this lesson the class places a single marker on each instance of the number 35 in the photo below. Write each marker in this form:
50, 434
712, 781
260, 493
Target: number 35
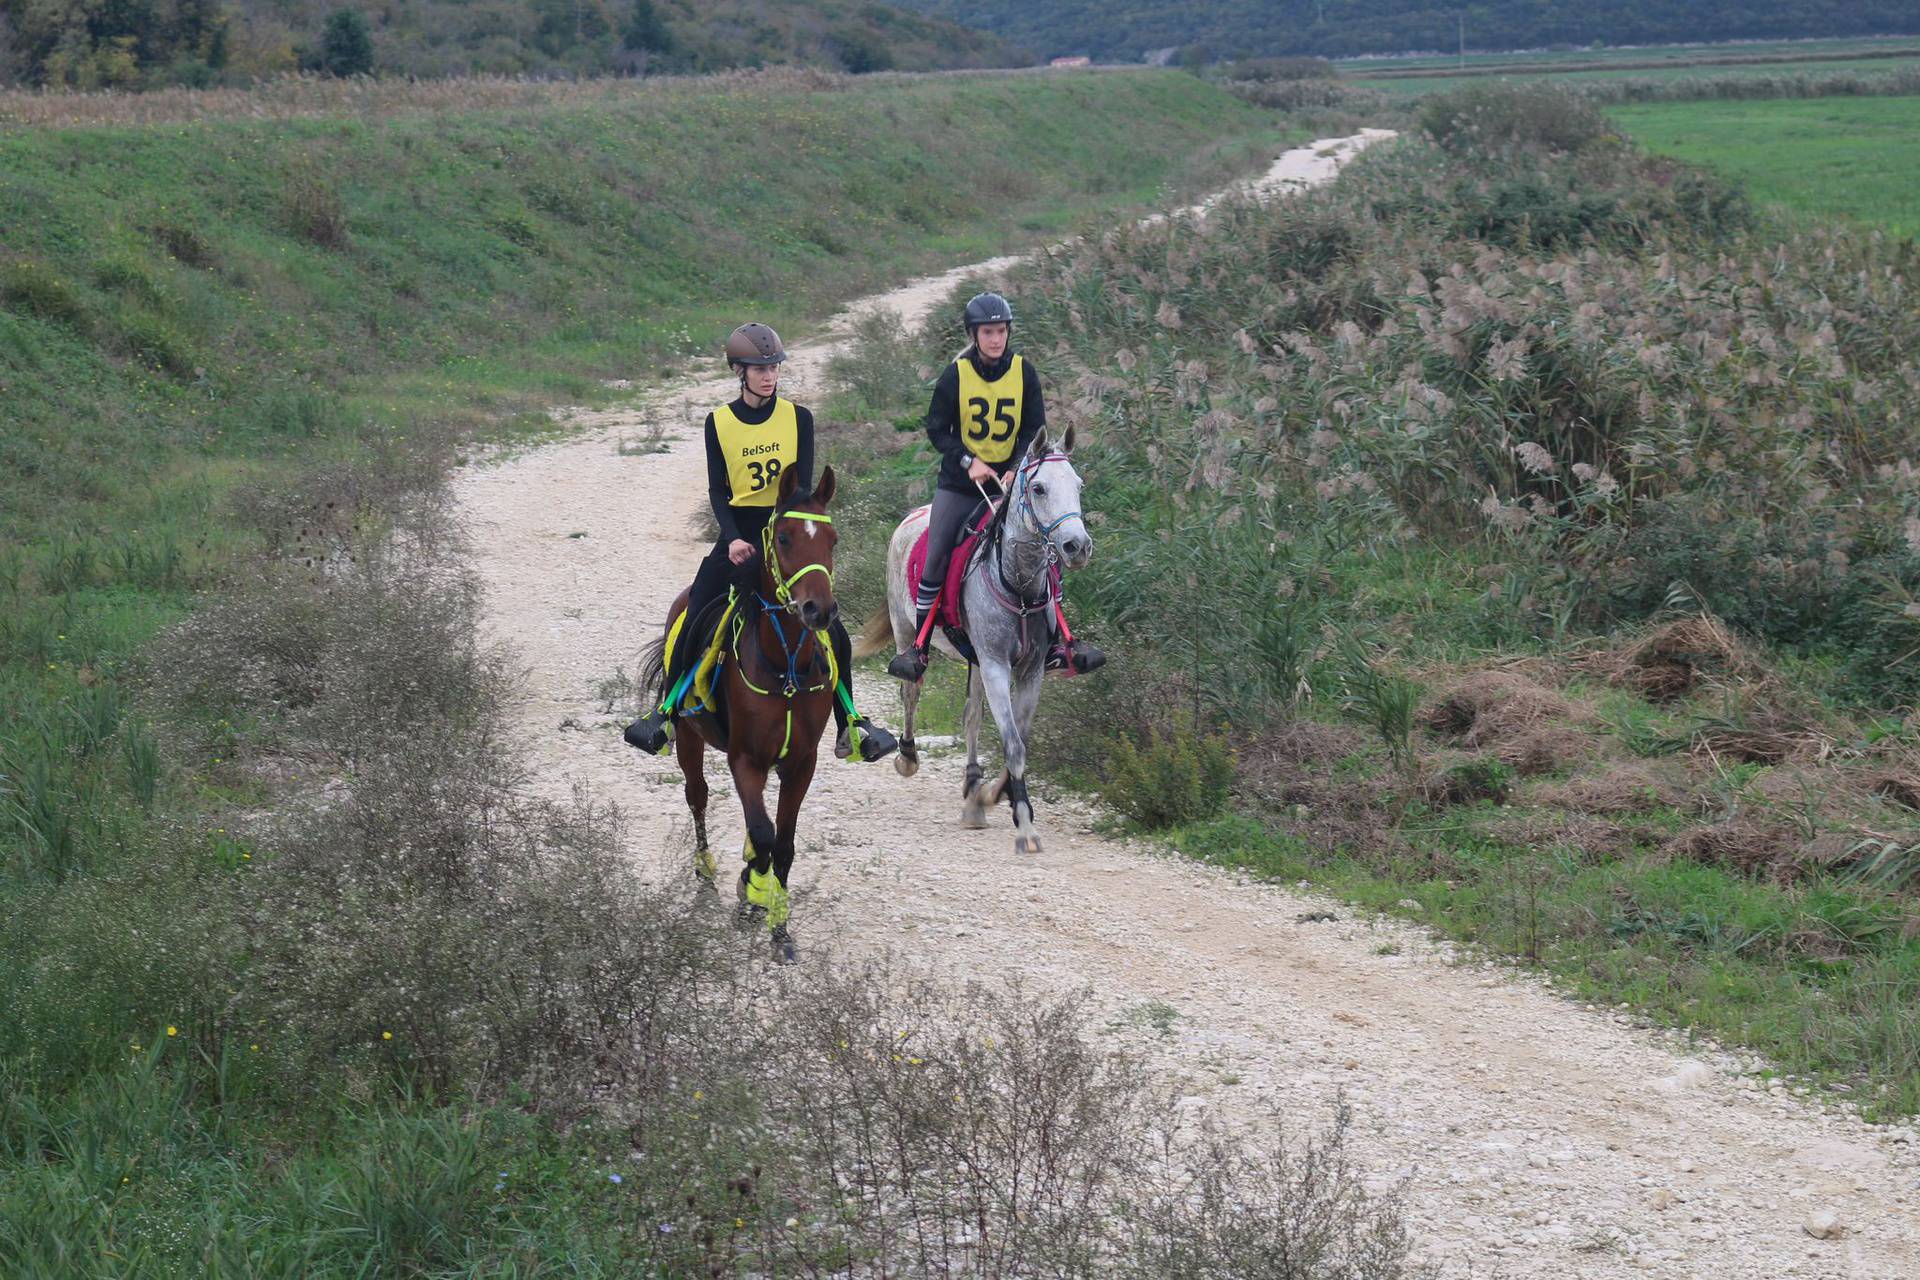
982, 429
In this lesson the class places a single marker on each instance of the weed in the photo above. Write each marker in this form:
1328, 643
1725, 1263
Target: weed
1175, 776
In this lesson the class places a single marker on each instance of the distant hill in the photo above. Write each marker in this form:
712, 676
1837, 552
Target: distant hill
93, 44
1124, 30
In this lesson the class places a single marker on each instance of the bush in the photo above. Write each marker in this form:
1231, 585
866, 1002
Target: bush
29, 288
1489, 117
311, 207
1177, 777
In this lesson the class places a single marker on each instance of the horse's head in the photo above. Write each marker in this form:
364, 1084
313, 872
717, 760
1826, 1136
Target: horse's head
1046, 496
796, 552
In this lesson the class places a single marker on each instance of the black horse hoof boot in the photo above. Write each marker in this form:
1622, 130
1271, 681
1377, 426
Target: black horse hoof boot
651, 733
909, 665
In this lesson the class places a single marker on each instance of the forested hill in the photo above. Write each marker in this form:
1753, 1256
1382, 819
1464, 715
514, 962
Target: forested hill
133, 44
1126, 29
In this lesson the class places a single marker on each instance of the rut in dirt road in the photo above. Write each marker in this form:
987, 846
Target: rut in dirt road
1534, 1137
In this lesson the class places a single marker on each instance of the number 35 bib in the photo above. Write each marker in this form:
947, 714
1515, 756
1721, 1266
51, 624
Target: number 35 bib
757, 455
990, 411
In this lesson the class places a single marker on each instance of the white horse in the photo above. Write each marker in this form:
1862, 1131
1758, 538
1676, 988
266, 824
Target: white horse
1009, 597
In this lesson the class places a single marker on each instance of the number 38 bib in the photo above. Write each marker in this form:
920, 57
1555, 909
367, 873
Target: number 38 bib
757, 455
990, 411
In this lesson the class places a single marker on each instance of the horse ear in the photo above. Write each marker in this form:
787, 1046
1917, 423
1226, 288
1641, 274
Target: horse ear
823, 491
1066, 442
789, 480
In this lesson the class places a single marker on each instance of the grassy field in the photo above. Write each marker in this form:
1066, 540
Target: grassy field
1823, 157
1678, 55
235, 356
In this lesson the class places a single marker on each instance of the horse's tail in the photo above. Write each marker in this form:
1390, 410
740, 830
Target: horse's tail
653, 669
876, 636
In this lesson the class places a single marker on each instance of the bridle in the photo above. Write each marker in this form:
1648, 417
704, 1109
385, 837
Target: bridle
783, 587
1004, 593
783, 602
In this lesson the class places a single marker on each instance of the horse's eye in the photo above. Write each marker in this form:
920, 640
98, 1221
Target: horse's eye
786, 539
1039, 491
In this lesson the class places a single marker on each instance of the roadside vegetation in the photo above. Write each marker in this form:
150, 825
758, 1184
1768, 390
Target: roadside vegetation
294, 980
1532, 518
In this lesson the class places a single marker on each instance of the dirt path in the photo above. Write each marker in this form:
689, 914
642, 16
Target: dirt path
1536, 1137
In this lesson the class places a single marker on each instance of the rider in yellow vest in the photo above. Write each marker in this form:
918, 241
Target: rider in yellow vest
751, 444
986, 408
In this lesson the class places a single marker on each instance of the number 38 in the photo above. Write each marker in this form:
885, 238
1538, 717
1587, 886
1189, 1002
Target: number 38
763, 474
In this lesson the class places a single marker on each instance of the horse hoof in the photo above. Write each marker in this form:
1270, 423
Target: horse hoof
780, 945
1026, 844
904, 767
973, 819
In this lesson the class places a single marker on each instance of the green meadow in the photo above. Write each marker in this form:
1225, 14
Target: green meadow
1853, 157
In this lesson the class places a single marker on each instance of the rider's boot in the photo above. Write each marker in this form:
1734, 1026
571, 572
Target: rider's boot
1076, 656
911, 663
862, 738
651, 733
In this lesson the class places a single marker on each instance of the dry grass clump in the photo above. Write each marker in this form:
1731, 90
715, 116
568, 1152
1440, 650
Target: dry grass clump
1901, 786
1597, 839
1527, 726
1673, 660
1762, 850
1615, 789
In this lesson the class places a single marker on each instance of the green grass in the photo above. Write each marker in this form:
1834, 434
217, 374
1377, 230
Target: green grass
1816, 976
1853, 157
1574, 76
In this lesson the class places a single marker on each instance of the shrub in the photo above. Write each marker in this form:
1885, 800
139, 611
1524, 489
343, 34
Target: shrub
1175, 777
155, 342
311, 207
346, 44
1489, 117
30, 288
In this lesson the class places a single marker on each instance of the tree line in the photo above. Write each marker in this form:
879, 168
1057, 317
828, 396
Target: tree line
133, 44
1128, 29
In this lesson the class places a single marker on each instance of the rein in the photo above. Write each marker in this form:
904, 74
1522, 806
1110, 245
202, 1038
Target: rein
1004, 593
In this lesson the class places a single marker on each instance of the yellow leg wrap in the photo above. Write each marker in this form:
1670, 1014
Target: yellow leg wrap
704, 866
765, 890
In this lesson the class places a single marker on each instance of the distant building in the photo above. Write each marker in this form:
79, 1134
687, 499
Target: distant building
1078, 60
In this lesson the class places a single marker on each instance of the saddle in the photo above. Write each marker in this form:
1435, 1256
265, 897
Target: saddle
695, 653
947, 611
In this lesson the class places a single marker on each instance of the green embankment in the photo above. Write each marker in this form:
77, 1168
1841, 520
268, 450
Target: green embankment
172, 295
1850, 156
189, 312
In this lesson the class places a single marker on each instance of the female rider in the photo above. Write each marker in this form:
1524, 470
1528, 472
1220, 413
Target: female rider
986, 409
751, 443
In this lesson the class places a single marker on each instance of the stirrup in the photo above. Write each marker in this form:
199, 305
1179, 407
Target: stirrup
866, 739
651, 733
1077, 658
908, 665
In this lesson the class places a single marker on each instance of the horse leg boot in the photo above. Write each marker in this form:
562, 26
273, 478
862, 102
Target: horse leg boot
757, 884
907, 763
973, 796
858, 737
1007, 703
796, 775
692, 752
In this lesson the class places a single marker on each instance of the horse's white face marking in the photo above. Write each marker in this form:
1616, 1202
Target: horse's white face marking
808, 525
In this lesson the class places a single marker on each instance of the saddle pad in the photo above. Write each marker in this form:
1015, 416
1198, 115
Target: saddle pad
948, 607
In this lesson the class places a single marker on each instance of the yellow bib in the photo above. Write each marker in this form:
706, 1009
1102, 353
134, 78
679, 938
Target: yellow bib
757, 455
990, 411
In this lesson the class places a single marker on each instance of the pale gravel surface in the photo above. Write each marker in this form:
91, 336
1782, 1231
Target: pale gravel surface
1535, 1137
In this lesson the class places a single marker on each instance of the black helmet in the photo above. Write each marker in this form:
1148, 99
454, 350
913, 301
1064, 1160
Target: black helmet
754, 344
986, 308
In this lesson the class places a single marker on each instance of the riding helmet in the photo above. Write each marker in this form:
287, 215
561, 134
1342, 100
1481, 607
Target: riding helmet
754, 343
986, 308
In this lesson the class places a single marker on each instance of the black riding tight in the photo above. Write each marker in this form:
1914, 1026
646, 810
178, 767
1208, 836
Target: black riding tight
944, 523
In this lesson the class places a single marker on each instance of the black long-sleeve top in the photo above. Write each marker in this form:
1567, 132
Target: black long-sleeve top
720, 487
943, 417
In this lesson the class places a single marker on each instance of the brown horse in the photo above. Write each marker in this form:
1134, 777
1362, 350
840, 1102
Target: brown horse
777, 693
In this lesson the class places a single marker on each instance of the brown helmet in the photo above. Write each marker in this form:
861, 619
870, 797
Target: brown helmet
754, 344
